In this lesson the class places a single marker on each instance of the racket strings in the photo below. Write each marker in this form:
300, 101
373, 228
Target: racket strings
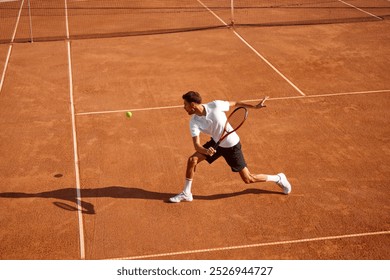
236, 119
234, 122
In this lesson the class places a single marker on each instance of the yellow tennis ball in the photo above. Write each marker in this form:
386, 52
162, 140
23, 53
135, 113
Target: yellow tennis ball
129, 114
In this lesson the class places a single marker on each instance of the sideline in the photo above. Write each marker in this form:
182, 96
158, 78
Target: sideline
10, 46
75, 148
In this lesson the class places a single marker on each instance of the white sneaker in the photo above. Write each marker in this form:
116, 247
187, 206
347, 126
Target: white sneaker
181, 197
284, 184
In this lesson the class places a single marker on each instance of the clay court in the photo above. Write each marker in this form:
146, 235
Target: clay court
79, 180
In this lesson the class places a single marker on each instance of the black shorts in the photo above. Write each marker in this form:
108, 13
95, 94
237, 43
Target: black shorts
233, 156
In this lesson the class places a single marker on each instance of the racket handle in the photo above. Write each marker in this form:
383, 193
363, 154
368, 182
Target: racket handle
217, 145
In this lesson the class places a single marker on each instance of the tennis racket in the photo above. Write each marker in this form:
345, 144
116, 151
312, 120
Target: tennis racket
235, 120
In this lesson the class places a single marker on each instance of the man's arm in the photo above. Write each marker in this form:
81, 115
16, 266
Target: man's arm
199, 148
246, 105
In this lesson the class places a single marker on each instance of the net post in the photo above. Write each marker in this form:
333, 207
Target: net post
232, 13
29, 15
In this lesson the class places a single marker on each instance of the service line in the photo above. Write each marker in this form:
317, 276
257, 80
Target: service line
249, 100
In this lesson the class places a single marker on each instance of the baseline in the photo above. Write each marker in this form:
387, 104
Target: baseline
256, 245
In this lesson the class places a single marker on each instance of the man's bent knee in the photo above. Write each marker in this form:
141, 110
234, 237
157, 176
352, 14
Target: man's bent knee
192, 161
248, 180
247, 177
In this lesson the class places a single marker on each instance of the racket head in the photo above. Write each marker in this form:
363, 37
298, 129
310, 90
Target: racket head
234, 121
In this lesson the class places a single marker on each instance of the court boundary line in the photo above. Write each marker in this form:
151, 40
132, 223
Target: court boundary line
275, 243
255, 51
10, 47
269, 64
212, 12
75, 147
361, 10
249, 100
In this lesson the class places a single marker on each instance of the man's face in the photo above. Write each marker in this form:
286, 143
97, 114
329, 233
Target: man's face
189, 107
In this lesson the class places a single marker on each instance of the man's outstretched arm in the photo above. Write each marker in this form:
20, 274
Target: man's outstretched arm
247, 105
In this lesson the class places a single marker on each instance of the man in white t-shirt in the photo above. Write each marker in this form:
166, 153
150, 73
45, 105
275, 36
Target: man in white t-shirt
210, 119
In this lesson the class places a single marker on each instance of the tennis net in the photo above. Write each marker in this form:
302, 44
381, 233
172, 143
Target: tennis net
48, 20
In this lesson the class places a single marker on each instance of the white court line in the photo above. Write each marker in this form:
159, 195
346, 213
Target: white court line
250, 100
66, 19
255, 51
76, 159
214, 14
10, 47
326, 95
269, 64
361, 10
126, 110
75, 148
255, 245
5, 67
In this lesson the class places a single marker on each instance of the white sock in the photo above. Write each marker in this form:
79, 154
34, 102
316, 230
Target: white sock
273, 178
187, 186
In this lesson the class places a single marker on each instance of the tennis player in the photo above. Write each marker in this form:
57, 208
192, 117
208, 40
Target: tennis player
210, 119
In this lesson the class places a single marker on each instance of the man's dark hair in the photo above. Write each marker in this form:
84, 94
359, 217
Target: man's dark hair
192, 96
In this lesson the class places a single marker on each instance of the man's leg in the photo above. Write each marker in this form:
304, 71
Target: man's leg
192, 162
279, 179
250, 178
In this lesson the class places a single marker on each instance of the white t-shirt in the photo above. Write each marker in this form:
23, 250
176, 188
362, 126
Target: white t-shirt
213, 123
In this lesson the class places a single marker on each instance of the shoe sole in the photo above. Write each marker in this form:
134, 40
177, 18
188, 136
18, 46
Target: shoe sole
178, 201
184, 200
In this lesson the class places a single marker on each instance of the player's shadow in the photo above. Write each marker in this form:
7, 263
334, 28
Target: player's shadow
70, 195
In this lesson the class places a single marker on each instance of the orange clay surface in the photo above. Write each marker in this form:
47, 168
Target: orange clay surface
332, 143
